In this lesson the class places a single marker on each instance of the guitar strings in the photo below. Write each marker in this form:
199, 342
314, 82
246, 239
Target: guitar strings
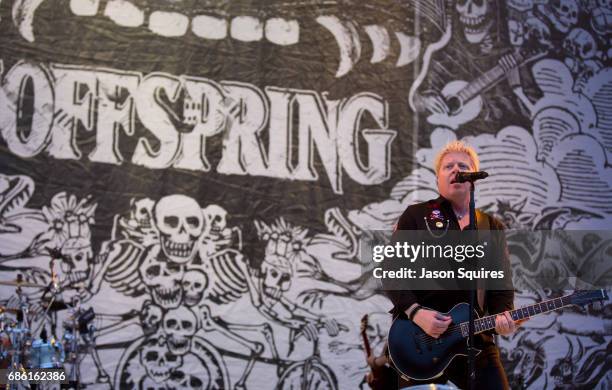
427, 339
454, 327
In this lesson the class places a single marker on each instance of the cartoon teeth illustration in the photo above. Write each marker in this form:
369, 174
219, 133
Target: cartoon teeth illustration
245, 28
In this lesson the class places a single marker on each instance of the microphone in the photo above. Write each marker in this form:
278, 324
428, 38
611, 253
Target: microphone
462, 177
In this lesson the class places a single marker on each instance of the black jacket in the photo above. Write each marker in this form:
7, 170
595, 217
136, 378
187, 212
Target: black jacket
416, 217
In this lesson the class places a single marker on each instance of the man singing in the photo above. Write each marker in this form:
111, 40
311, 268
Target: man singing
451, 211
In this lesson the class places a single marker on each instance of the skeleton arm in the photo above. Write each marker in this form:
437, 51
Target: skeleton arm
271, 314
103, 264
332, 327
298, 311
110, 253
251, 281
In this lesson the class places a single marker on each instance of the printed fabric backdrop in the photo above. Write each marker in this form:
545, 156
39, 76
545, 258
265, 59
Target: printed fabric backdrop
209, 168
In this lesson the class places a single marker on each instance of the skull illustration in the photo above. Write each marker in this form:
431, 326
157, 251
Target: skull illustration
601, 17
148, 383
157, 360
180, 326
216, 219
78, 253
580, 44
475, 15
538, 32
563, 14
150, 318
194, 380
276, 275
141, 212
588, 69
605, 4
194, 284
195, 373
180, 223
516, 30
162, 278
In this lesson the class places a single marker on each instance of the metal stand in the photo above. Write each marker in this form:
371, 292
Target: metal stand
471, 350
19, 338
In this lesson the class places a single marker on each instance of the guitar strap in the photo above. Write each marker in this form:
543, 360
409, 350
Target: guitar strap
482, 222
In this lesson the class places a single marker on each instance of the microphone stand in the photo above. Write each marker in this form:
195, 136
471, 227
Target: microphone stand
472, 304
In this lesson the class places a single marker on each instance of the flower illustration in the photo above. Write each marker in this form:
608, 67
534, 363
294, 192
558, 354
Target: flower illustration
67, 218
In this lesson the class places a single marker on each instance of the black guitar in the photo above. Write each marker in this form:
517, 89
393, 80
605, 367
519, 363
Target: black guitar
419, 356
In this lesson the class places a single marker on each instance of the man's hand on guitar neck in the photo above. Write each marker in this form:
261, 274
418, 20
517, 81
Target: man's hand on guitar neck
505, 325
432, 322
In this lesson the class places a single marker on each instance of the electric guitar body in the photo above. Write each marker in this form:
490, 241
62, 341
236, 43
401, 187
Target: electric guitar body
421, 357
418, 356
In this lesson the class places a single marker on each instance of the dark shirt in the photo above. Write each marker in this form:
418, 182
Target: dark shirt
416, 217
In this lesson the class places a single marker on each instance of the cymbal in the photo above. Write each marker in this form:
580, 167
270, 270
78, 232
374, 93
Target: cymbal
18, 283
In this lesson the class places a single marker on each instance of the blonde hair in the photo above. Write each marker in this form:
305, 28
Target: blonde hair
459, 147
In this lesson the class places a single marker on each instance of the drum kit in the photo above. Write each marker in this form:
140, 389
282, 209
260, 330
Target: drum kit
24, 340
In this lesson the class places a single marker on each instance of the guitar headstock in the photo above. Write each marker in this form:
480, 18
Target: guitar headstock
584, 297
364, 324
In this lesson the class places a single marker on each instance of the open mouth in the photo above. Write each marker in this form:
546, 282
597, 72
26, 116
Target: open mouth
273, 292
475, 25
177, 249
167, 297
192, 300
283, 24
178, 346
158, 374
159, 69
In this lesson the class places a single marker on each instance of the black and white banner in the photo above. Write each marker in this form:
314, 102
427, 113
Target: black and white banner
209, 169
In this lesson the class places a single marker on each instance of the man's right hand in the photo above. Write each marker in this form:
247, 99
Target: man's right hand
432, 322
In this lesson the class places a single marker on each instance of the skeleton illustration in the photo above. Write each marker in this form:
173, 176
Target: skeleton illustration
158, 361
194, 284
581, 50
174, 275
151, 317
537, 32
476, 18
526, 362
284, 252
563, 14
180, 223
218, 235
162, 277
601, 17
180, 325
139, 226
344, 237
183, 259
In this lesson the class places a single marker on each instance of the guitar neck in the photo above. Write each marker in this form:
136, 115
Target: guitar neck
487, 323
366, 344
485, 80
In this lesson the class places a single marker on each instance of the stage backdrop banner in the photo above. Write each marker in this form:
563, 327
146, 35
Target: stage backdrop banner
208, 170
